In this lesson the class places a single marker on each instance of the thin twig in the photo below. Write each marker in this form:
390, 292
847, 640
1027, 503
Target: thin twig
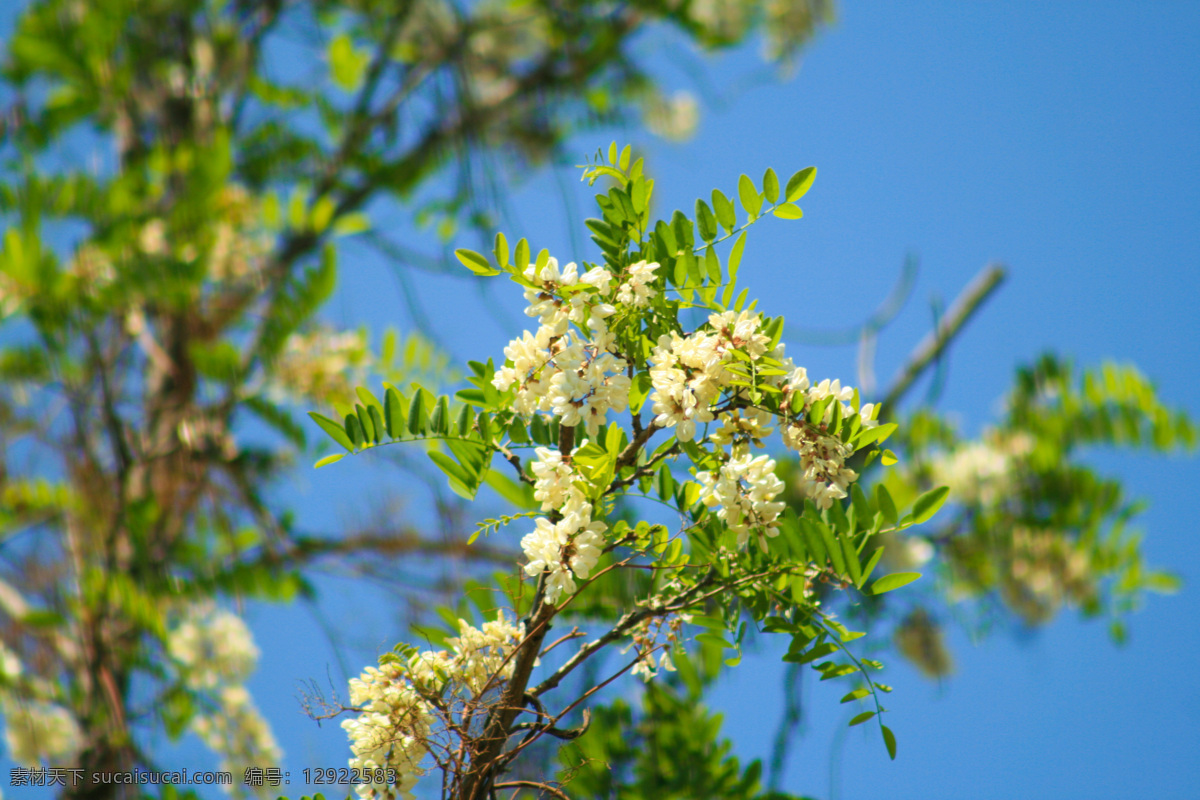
532, 785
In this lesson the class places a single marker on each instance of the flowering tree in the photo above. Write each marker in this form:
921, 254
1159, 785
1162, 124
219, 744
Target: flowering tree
650, 381
614, 338
160, 302
160, 293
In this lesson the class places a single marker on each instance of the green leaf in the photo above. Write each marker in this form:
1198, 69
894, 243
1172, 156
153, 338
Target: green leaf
518, 432
771, 186
751, 199
888, 458
852, 560
476, 262
872, 562
889, 741
735, 255
859, 719
831, 671
333, 459
820, 651
416, 414
521, 256
713, 638
335, 431
788, 211
798, 184
377, 426
1163, 582
857, 694
345, 63
352, 223
460, 482
876, 434
365, 423
712, 266
883, 499
639, 390
393, 413
894, 581
726, 213
928, 504
354, 429
706, 221
439, 420
501, 250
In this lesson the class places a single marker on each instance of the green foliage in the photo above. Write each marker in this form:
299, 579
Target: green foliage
671, 749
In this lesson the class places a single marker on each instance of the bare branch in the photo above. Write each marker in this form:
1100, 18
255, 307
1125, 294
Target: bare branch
932, 346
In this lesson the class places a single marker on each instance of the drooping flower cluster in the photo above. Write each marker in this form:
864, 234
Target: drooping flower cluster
214, 653
646, 638
981, 471
390, 732
238, 733
745, 489
562, 372
824, 474
690, 373
396, 717
320, 364
212, 647
568, 548
37, 731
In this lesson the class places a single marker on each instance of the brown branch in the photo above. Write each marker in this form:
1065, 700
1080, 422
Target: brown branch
623, 626
936, 342
533, 785
629, 454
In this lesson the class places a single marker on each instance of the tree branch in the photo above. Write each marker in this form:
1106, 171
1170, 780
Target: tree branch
932, 346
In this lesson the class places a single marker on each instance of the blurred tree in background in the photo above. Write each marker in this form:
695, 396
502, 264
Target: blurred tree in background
176, 178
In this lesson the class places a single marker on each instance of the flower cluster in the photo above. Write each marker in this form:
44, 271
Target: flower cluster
215, 653
568, 548
397, 716
645, 638
745, 489
212, 647
237, 732
982, 471
690, 373
636, 291
824, 474
390, 732
37, 731
560, 372
320, 364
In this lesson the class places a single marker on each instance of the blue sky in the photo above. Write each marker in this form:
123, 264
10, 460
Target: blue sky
1059, 139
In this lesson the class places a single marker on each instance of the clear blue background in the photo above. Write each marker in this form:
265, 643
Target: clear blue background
1062, 140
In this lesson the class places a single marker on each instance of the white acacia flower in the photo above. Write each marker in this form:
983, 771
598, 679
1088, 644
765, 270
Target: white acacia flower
238, 734
564, 550
553, 478
212, 647
37, 732
636, 290
598, 277
744, 490
824, 474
